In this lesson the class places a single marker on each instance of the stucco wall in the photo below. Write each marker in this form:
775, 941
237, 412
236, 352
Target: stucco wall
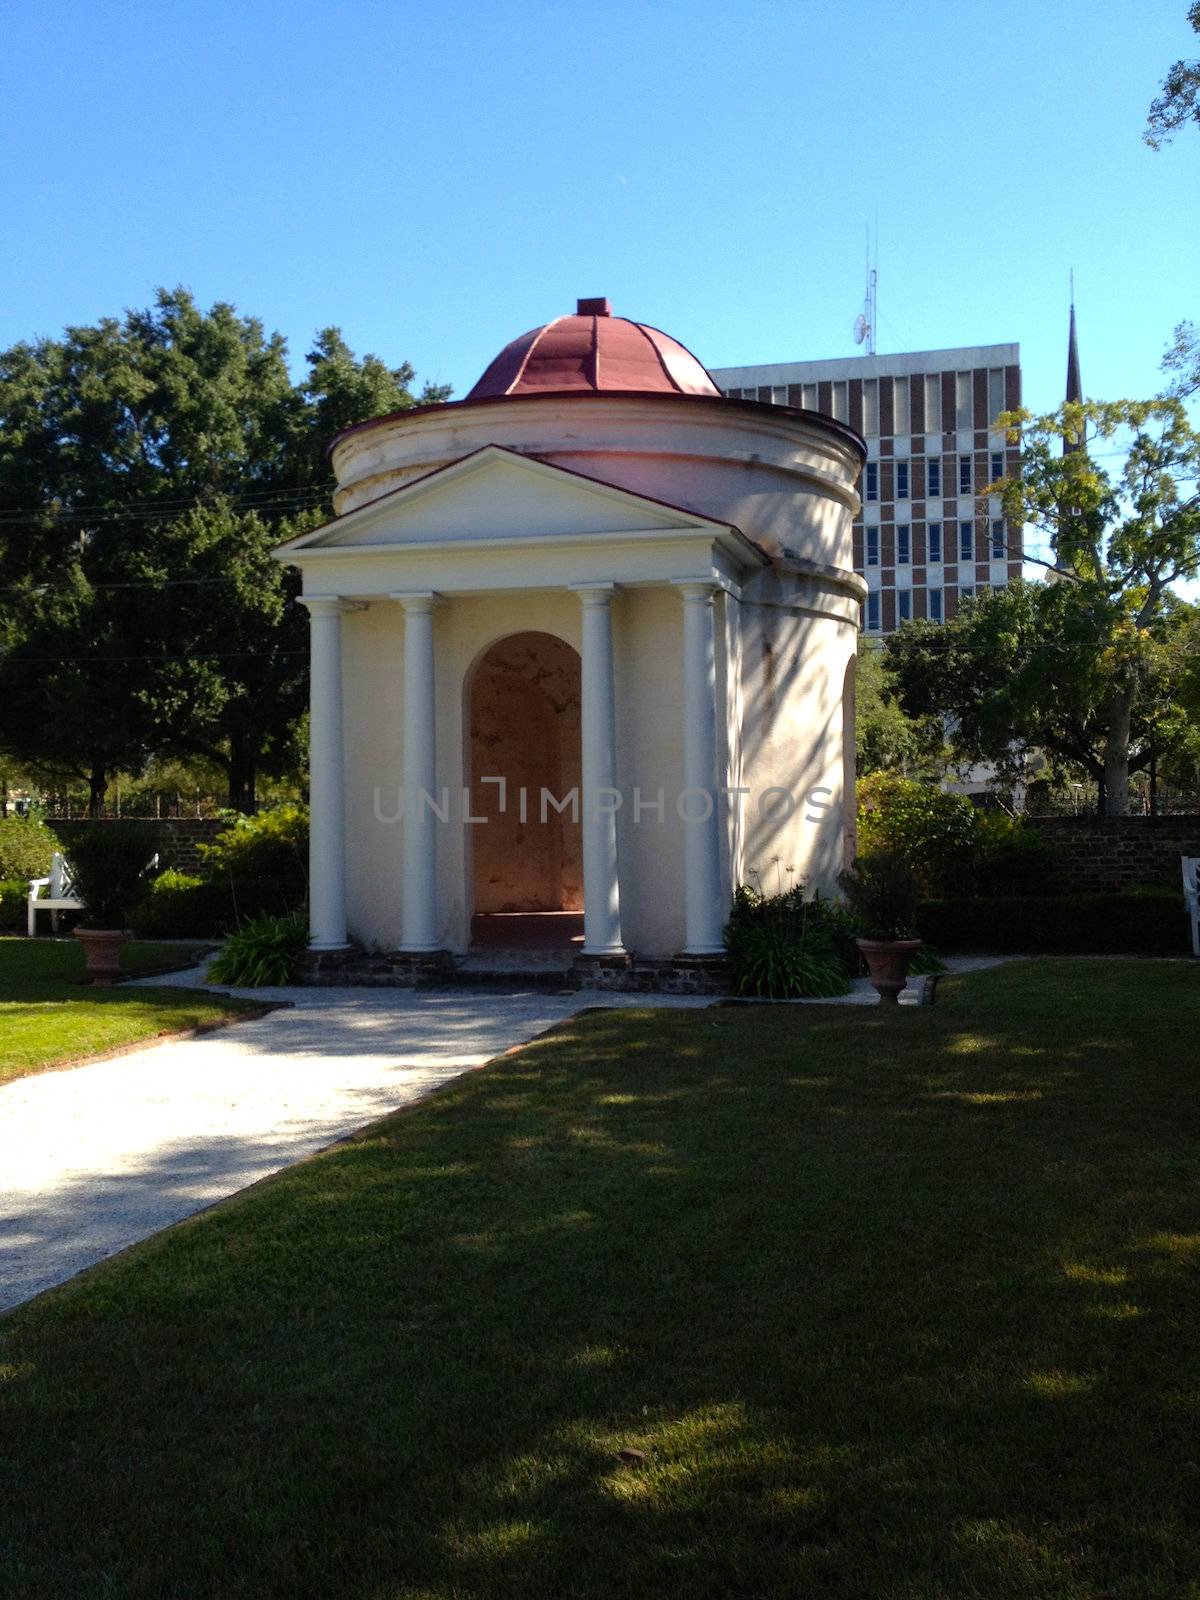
793, 675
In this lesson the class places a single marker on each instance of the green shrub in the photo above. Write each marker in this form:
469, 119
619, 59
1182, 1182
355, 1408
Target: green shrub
263, 951
782, 946
111, 864
882, 891
1011, 858
26, 846
935, 834
270, 846
951, 846
181, 906
14, 896
1144, 923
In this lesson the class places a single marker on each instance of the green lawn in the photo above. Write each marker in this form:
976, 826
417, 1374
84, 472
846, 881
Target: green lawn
50, 1015
899, 1306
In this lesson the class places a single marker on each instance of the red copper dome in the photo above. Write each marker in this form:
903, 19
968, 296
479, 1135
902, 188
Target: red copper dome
593, 350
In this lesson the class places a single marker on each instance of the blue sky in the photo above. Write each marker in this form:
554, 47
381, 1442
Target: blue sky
435, 179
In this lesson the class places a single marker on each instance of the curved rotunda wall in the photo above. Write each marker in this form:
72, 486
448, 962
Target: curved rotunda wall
788, 480
784, 636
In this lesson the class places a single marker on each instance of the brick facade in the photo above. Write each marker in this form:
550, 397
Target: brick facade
1100, 853
179, 838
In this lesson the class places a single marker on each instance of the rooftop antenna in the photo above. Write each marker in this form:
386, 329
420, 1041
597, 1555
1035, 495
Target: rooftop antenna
864, 323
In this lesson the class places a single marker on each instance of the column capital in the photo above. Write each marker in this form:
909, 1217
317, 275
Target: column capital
417, 602
595, 594
696, 591
329, 605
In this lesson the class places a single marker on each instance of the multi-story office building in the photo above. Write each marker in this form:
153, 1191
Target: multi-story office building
927, 531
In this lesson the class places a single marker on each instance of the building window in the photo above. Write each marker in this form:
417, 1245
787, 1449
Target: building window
995, 394
933, 479
809, 397
900, 422
935, 541
779, 396
903, 605
999, 541
903, 546
933, 402
964, 474
964, 410
935, 605
872, 547
840, 401
872, 480
997, 465
870, 425
902, 480
966, 541
873, 612
965, 593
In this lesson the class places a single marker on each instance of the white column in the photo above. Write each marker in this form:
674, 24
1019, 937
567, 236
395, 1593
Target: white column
704, 908
326, 783
418, 889
601, 885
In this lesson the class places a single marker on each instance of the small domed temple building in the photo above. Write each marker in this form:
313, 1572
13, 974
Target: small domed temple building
583, 648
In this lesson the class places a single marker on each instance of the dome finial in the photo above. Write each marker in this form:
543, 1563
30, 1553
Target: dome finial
593, 308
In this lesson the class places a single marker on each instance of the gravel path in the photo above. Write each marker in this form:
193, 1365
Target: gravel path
95, 1158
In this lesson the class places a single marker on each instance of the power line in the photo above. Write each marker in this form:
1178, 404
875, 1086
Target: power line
198, 655
133, 583
166, 511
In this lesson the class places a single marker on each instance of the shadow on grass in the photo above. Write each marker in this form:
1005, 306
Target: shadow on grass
894, 1306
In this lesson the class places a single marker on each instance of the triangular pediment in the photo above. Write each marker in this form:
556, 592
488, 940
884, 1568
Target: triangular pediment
497, 494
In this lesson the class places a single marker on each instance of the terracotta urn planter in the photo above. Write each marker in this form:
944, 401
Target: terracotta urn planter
102, 952
887, 965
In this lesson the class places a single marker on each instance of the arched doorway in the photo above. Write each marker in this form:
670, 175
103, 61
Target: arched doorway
526, 855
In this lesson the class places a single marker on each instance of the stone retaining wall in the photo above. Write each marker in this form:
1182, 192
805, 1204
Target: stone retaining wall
1104, 853
179, 837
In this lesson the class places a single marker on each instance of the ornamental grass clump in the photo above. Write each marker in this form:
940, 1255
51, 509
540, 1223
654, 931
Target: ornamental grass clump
263, 951
882, 892
782, 947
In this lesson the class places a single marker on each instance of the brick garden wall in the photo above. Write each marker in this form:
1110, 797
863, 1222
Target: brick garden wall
1098, 853
1093, 853
179, 837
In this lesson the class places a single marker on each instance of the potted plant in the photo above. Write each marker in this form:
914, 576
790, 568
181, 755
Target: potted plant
883, 893
111, 863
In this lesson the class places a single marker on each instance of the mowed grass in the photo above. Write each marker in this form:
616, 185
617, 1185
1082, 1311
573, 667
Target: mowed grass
50, 1015
897, 1307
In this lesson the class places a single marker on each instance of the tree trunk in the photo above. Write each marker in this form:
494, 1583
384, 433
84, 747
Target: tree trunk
1116, 755
243, 771
97, 784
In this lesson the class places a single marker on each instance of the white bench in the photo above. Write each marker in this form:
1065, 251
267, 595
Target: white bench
1191, 894
61, 894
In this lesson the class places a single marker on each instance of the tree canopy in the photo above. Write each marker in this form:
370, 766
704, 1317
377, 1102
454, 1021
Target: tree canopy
148, 464
1179, 101
1081, 666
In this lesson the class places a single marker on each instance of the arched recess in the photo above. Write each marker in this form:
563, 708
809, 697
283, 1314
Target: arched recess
523, 703
849, 765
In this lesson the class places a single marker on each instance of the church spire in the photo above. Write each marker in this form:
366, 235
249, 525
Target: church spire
1074, 383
